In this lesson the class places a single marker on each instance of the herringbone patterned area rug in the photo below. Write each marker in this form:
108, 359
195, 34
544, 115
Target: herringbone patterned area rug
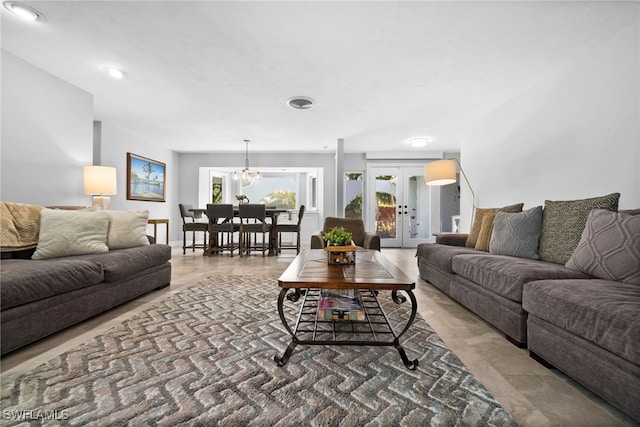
204, 356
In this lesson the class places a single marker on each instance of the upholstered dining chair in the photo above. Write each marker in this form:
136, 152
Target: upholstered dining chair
353, 225
290, 228
253, 220
189, 224
220, 225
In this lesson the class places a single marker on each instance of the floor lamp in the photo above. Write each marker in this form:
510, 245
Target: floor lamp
443, 172
100, 181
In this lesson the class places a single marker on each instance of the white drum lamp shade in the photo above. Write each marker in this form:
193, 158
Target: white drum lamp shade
100, 181
443, 172
440, 172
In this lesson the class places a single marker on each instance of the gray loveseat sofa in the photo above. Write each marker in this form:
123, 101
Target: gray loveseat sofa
39, 297
569, 318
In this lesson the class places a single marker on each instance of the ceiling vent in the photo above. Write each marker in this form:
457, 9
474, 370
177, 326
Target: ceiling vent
300, 102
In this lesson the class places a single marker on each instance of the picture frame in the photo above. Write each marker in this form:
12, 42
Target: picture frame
146, 179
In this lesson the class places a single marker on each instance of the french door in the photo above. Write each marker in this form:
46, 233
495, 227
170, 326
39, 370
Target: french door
400, 205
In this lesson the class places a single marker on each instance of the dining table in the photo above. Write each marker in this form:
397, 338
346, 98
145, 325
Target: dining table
271, 213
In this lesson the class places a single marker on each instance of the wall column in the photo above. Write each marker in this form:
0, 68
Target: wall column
340, 178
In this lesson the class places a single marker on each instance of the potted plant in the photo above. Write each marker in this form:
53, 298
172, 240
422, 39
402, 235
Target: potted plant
337, 236
340, 247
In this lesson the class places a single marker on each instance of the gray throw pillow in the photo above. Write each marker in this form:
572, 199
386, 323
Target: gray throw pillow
609, 247
517, 234
563, 222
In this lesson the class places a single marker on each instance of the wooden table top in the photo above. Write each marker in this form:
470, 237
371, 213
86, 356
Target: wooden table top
372, 270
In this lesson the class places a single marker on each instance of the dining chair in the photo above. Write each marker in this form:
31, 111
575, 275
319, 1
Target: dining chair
189, 224
290, 228
220, 224
253, 220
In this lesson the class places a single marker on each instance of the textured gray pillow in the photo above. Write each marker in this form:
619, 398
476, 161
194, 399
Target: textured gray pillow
563, 222
609, 247
517, 234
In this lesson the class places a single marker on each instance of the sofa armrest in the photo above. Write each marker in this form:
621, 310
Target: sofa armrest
317, 242
372, 241
152, 240
452, 239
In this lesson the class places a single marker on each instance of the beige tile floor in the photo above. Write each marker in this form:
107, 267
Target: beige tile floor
534, 395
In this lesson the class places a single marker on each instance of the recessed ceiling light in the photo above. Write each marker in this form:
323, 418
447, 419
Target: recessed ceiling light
419, 141
300, 102
114, 72
22, 11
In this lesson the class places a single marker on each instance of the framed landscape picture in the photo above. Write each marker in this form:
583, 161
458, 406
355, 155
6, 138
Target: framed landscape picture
145, 179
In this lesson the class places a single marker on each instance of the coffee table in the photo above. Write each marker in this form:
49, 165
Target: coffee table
310, 276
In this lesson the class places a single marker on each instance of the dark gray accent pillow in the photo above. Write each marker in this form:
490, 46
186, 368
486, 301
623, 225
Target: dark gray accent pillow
563, 222
609, 247
517, 234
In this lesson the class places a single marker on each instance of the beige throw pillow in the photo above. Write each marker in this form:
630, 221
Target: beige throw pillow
479, 216
484, 237
127, 229
65, 233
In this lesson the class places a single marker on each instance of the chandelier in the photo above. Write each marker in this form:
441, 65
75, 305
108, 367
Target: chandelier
246, 174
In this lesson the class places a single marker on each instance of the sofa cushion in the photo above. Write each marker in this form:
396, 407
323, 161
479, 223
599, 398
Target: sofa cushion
122, 264
479, 215
609, 247
441, 256
65, 233
127, 229
24, 281
563, 222
517, 234
603, 312
506, 275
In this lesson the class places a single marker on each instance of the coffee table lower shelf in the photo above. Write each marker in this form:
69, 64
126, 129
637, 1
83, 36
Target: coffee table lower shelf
375, 330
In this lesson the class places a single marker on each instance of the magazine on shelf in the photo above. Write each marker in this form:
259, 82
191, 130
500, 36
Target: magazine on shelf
340, 304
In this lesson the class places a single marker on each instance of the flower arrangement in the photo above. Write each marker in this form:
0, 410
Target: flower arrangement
338, 236
241, 198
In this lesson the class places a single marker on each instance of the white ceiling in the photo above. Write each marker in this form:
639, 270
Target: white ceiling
202, 76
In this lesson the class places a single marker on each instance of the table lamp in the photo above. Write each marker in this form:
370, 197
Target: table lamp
443, 172
100, 181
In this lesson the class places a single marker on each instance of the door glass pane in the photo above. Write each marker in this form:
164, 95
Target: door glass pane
418, 208
386, 197
353, 187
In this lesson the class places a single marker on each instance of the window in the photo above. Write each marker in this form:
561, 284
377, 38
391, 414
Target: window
280, 190
353, 188
286, 188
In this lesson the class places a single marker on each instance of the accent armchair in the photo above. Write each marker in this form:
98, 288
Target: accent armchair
353, 225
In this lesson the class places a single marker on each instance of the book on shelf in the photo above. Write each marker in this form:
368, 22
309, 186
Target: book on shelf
340, 304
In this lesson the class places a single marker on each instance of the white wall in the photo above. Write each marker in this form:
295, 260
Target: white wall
115, 143
572, 136
47, 133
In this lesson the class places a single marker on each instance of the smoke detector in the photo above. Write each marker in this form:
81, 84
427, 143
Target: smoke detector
300, 102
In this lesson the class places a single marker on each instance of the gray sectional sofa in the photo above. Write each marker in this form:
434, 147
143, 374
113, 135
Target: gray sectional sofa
586, 326
40, 297
60, 267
